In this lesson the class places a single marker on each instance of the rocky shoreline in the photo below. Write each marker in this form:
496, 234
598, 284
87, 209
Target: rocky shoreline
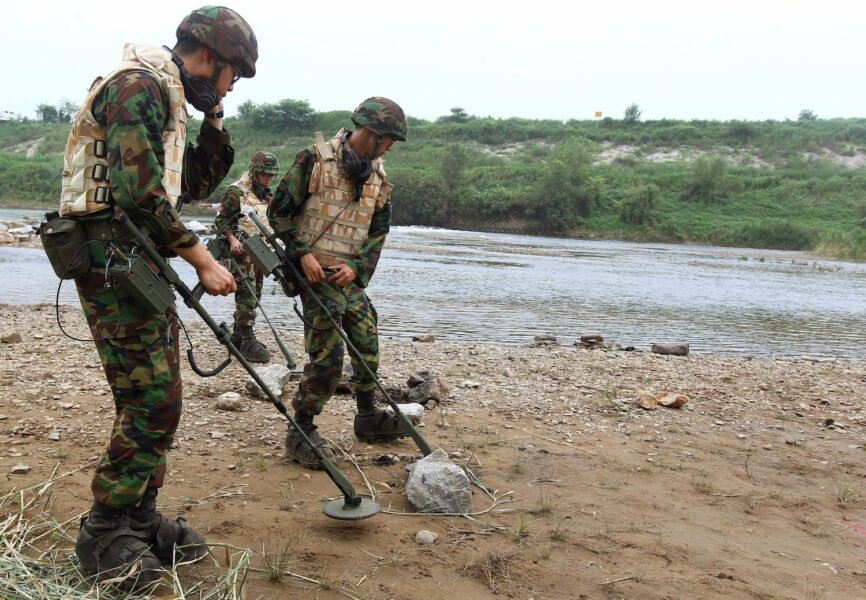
750, 478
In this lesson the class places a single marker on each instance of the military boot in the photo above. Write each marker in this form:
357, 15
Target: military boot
172, 540
375, 424
251, 348
299, 451
108, 546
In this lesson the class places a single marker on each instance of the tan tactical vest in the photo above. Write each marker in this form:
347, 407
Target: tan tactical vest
250, 203
85, 187
331, 218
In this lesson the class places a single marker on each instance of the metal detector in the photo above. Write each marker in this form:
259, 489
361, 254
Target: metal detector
351, 507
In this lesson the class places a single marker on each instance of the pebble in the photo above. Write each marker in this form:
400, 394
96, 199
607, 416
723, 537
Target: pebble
217, 435
20, 470
767, 446
425, 537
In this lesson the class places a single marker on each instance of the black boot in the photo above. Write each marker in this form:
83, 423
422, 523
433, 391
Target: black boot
108, 546
173, 540
299, 451
374, 424
251, 348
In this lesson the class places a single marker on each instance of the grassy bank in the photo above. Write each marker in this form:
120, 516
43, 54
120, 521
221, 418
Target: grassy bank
792, 185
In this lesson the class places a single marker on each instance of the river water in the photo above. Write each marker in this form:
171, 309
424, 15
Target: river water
499, 288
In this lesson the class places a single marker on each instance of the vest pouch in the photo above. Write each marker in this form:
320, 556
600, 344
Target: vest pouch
150, 291
65, 242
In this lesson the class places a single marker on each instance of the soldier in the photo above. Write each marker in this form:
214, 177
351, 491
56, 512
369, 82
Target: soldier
332, 208
251, 192
128, 152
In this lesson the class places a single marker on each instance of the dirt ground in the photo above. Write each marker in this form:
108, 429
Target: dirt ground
754, 489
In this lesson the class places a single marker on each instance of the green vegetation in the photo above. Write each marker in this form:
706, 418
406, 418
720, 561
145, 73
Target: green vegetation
772, 184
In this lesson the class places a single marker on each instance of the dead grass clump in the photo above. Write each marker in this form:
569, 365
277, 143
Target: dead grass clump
495, 569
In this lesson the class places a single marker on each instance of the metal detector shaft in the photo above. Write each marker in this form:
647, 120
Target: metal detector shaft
170, 275
304, 284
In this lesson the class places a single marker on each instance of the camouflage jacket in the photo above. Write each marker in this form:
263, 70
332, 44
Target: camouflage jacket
288, 202
133, 110
230, 208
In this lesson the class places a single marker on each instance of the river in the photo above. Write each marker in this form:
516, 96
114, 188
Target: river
505, 289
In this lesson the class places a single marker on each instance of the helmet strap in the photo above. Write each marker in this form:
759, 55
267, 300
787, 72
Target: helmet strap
201, 92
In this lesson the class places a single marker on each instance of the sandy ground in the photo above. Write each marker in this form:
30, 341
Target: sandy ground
746, 492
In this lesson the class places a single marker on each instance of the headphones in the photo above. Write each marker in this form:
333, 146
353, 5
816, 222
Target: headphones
200, 92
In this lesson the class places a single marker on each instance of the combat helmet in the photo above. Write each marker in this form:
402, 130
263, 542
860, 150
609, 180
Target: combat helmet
226, 33
382, 117
264, 162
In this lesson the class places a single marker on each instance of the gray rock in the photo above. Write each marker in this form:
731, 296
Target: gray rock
4, 227
217, 435
588, 338
425, 537
27, 230
419, 377
433, 390
671, 349
546, 339
470, 385
11, 338
20, 470
230, 401
413, 411
275, 376
436, 485
54, 436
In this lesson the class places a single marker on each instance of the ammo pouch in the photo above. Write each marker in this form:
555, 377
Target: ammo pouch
65, 243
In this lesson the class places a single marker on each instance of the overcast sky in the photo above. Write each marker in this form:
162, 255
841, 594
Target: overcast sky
736, 59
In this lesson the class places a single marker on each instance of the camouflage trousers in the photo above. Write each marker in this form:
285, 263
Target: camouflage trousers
350, 307
247, 278
138, 351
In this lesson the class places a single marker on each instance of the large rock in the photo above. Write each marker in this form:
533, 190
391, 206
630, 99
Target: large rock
671, 349
432, 390
545, 339
6, 238
4, 227
276, 377
11, 338
230, 401
436, 485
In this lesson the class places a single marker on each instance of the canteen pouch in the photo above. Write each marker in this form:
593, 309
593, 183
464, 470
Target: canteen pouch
65, 242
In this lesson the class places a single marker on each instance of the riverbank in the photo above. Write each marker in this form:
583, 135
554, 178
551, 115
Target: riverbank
752, 490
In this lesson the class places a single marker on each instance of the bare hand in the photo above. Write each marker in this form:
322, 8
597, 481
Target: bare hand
312, 269
216, 279
235, 245
342, 275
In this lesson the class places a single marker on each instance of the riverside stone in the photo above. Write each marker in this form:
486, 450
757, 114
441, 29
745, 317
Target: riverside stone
275, 377
671, 349
436, 485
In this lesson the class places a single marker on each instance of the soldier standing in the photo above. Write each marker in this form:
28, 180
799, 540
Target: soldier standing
251, 193
332, 208
128, 152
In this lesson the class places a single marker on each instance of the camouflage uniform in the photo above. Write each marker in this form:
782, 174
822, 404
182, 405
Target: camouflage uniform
349, 304
292, 215
140, 358
246, 275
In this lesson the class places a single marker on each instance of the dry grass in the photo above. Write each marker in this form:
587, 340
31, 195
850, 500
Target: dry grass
495, 569
36, 562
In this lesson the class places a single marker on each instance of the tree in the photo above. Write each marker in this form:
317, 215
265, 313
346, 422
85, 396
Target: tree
566, 192
286, 116
632, 113
458, 115
67, 110
638, 210
708, 178
46, 113
807, 115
